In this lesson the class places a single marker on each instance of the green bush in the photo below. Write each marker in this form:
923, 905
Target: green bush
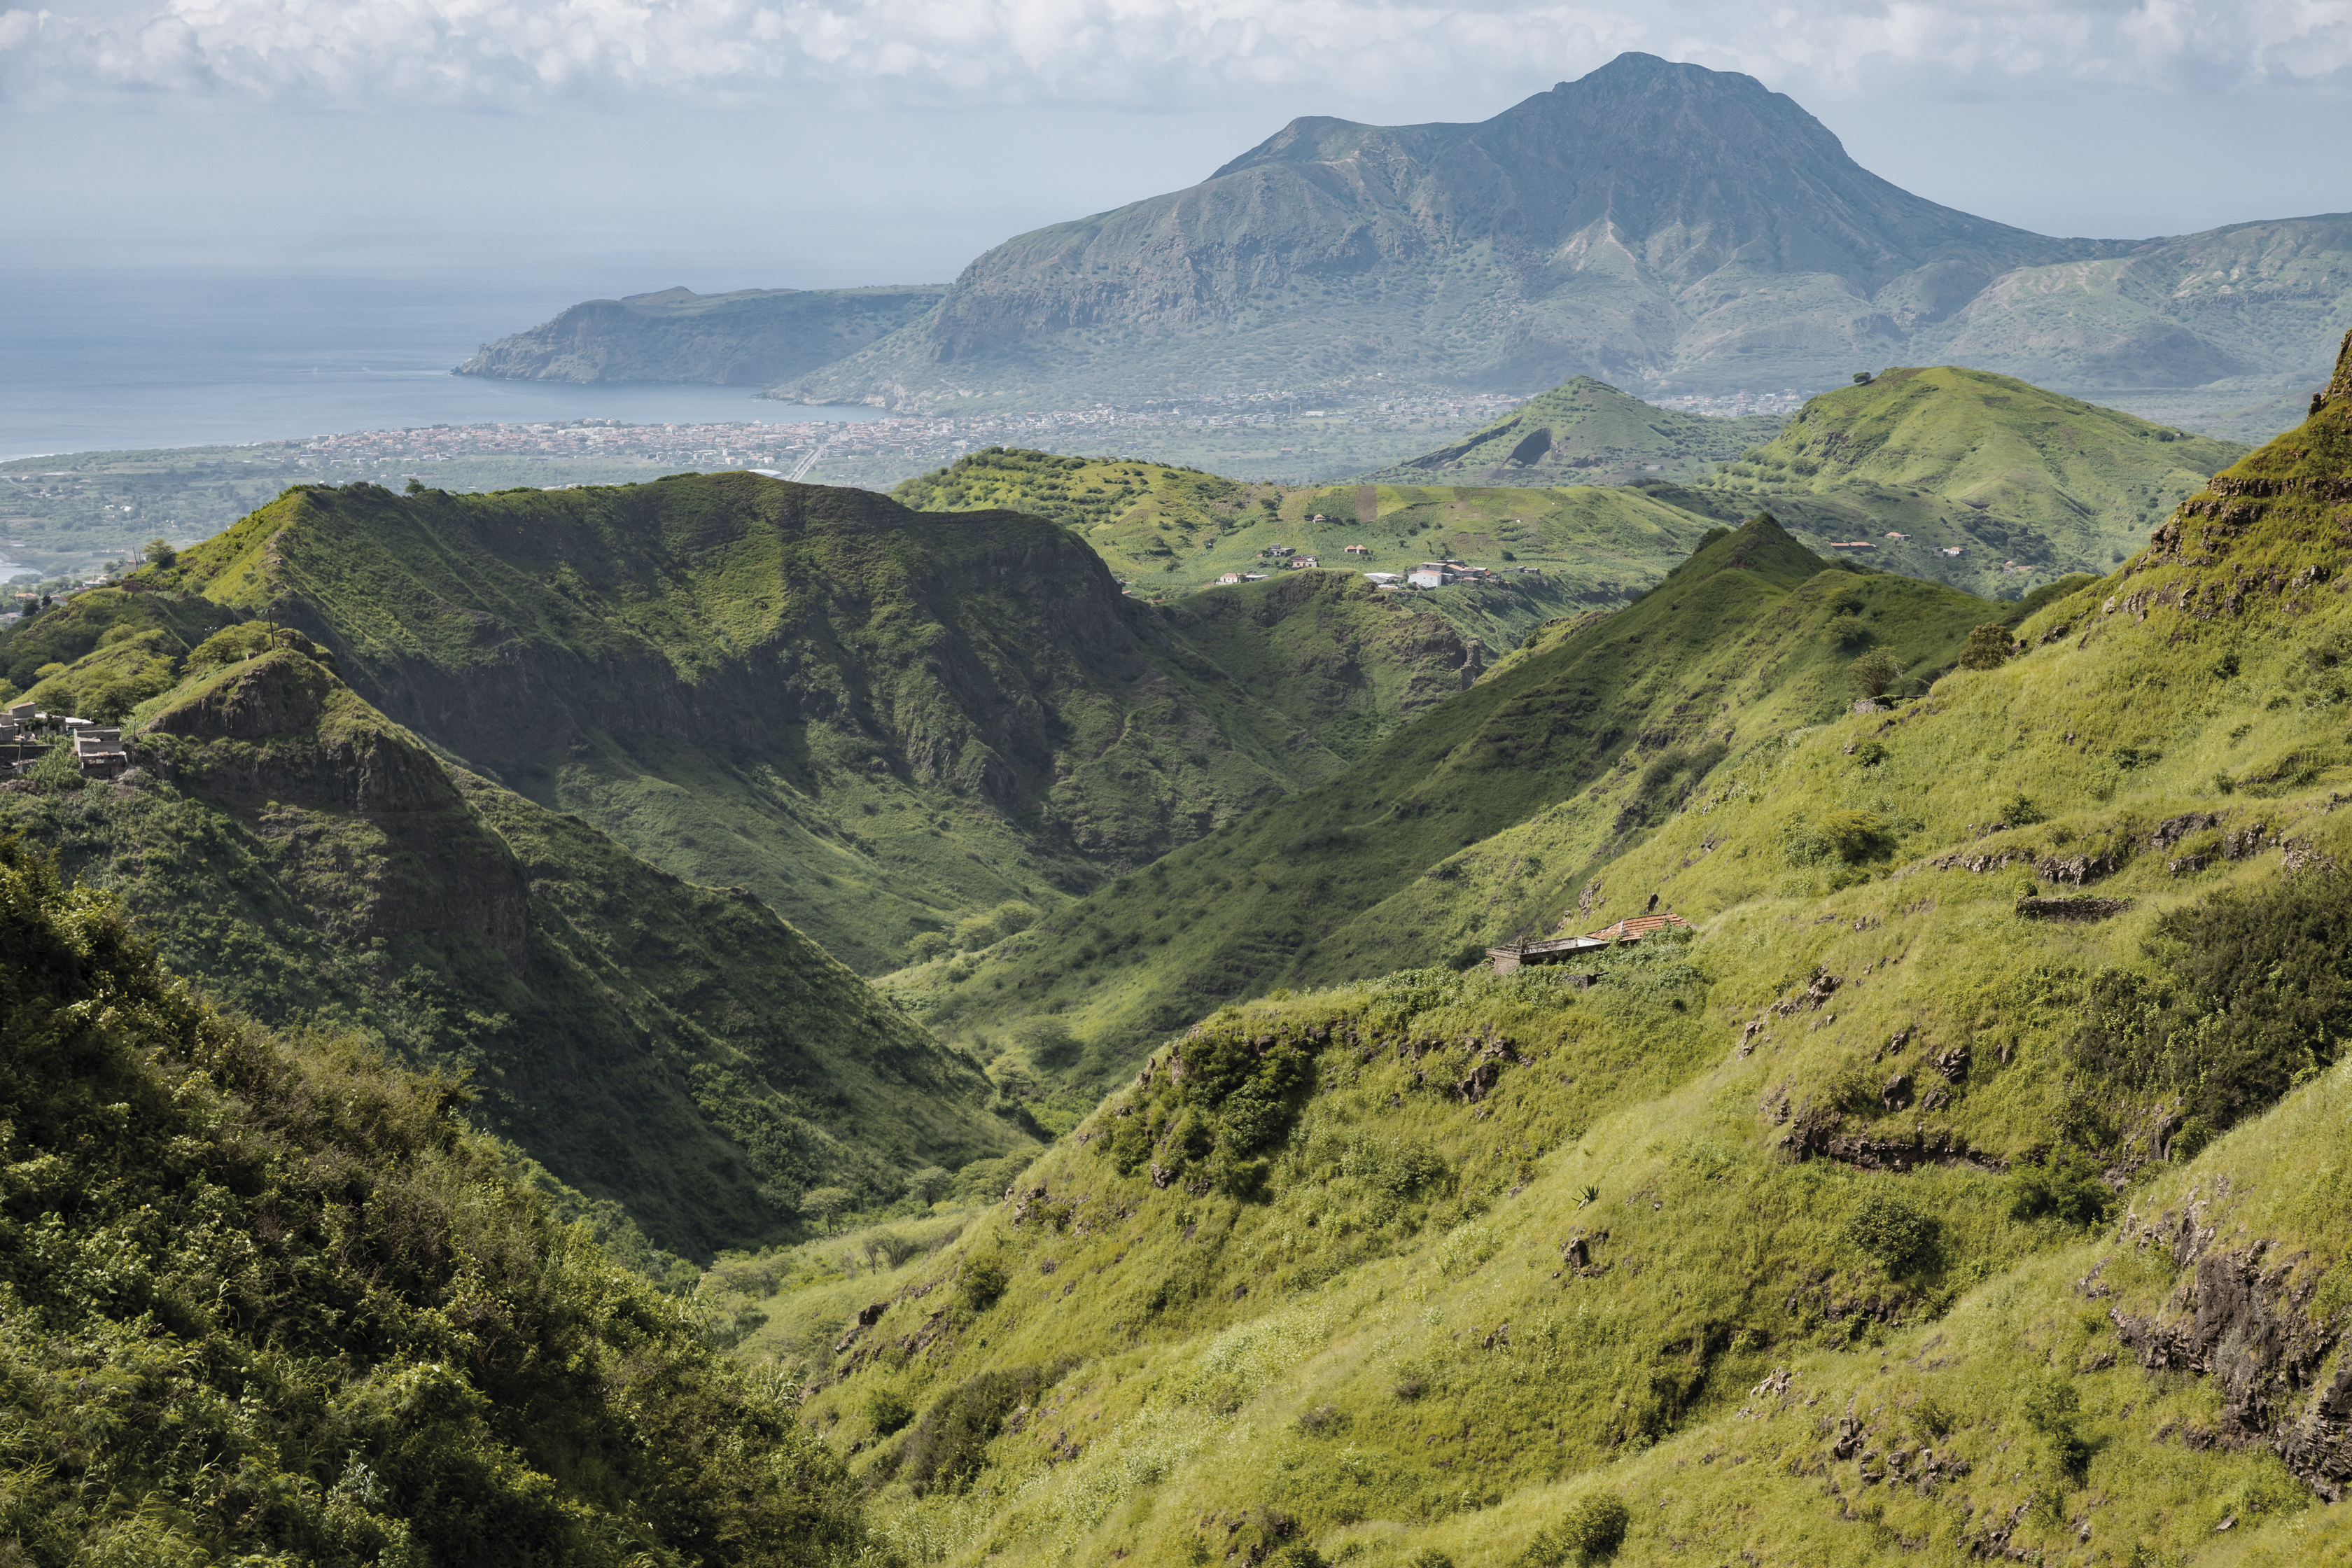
1988, 648
2253, 998
984, 1283
2067, 1189
950, 1443
1590, 1532
56, 768
888, 1410
1887, 1229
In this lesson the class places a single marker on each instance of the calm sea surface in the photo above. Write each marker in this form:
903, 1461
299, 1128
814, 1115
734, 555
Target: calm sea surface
106, 360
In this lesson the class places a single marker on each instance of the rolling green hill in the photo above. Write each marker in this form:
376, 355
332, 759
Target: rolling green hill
1599, 726
2028, 484
269, 1300
678, 1054
1172, 529
1587, 432
879, 721
1967, 1185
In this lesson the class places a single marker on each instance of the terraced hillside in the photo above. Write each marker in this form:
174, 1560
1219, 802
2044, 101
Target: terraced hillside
878, 720
1967, 1186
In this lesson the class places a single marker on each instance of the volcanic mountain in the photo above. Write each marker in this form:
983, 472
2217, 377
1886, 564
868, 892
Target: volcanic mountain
1651, 219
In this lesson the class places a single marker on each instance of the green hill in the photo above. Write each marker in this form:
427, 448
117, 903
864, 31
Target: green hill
2027, 484
879, 721
1599, 725
682, 1057
1966, 1186
1587, 432
269, 1299
1168, 529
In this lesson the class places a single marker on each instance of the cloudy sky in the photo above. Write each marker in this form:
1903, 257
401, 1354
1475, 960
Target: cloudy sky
731, 142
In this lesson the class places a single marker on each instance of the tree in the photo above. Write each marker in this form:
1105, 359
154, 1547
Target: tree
159, 551
1988, 648
1861, 378
1875, 673
823, 1205
929, 1184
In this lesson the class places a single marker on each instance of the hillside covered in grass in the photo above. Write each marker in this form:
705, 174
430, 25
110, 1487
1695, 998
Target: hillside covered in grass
879, 721
2028, 484
1587, 432
1967, 1185
1595, 731
678, 1054
269, 1301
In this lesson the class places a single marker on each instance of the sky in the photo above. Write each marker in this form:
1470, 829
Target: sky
604, 146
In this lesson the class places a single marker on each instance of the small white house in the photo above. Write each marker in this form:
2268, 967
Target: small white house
1428, 576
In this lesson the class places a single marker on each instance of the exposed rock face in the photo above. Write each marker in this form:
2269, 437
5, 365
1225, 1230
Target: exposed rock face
382, 843
2239, 1318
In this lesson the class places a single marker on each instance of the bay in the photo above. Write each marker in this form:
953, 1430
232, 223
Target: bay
108, 359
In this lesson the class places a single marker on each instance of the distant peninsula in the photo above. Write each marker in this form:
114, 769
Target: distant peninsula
750, 337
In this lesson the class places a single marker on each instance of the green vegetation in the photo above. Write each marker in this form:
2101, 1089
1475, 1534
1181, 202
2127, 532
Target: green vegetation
1487, 816
1587, 432
2027, 484
1966, 1185
267, 1299
681, 1056
1171, 530
879, 721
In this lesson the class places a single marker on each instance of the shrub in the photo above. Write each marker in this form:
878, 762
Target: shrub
984, 1281
1988, 648
1590, 1532
951, 1442
1885, 1229
888, 1410
2067, 1188
2251, 1000
56, 768
1854, 837
1875, 673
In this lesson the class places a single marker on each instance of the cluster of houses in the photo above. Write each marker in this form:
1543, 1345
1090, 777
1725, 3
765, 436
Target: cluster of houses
1440, 573
98, 748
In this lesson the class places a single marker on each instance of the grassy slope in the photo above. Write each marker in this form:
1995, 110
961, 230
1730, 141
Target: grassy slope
1172, 529
269, 1301
1389, 1346
1587, 432
674, 1050
876, 720
2031, 484
1376, 868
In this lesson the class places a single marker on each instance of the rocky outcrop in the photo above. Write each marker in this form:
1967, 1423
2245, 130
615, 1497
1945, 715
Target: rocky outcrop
2241, 1315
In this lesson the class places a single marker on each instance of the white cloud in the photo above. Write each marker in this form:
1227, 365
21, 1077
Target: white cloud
528, 54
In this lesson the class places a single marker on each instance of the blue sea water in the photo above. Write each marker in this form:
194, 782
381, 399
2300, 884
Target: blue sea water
108, 359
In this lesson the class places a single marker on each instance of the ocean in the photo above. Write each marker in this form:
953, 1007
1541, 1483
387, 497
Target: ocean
105, 360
